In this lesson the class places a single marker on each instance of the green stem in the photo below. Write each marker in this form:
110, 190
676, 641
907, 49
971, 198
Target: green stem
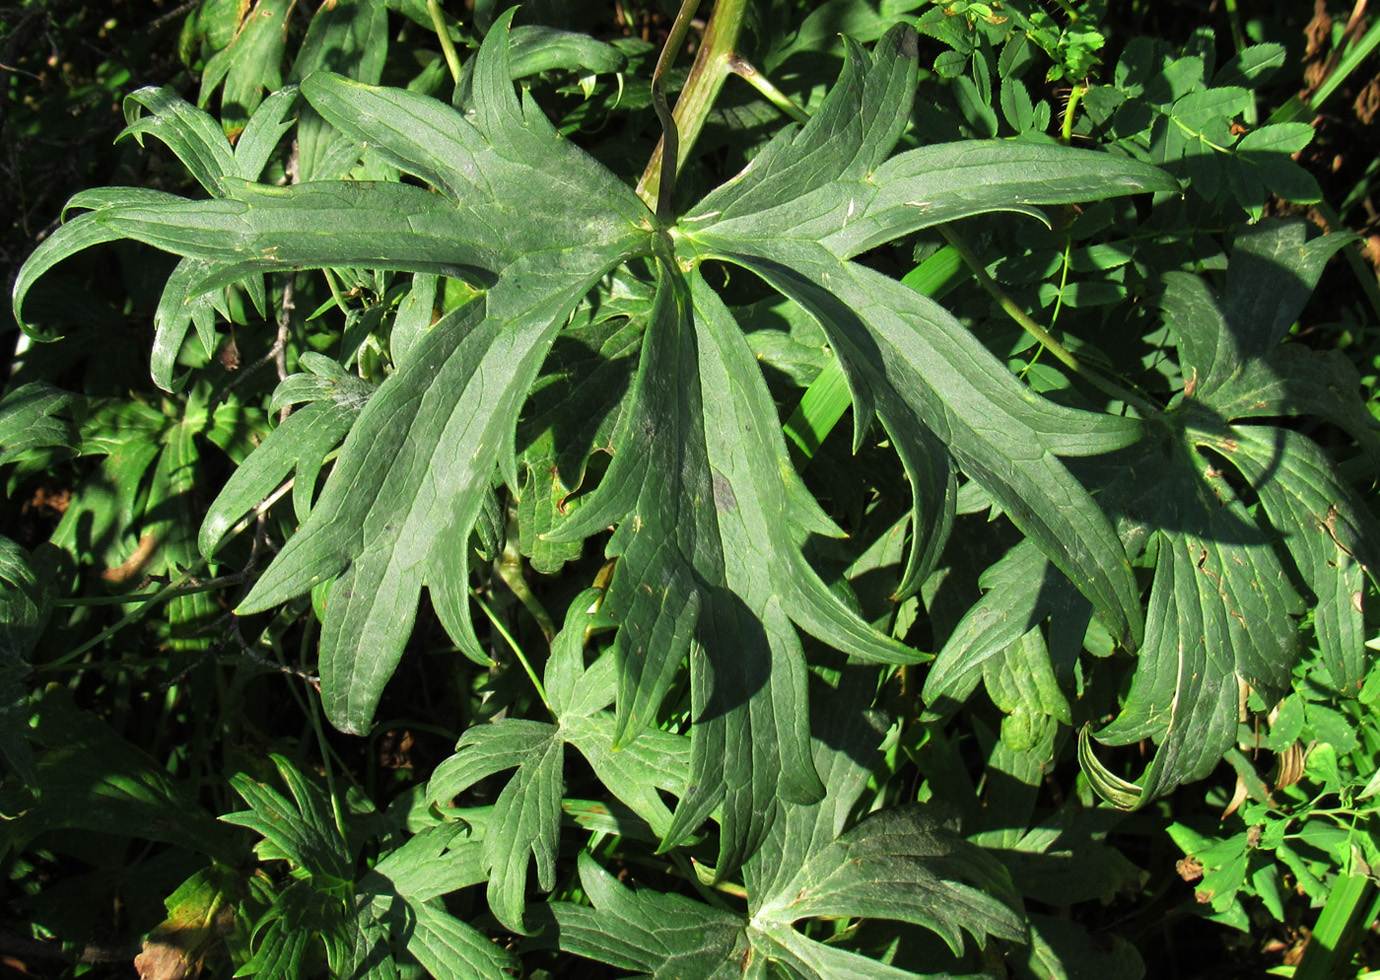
741, 67
1013, 310
517, 650
1349, 62
509, 569
313, 696
669, 133
438, 23
174, 586
118, 600
1068, 10
702, 87
1238, 36
1007, 304
1075, 96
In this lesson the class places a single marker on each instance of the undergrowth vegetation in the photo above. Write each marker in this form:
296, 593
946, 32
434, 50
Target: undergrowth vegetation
769, 490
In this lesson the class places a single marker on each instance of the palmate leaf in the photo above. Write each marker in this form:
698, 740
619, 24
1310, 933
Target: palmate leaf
922, 367
899, 863
1332, 536
402, 893
524, 825
1221, 606
831, 182
1221, 611
398, 508
302, 831
710, 519
823, 194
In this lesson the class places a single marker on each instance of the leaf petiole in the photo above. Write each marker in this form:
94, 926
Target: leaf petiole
438, 22
517, 650
744, 69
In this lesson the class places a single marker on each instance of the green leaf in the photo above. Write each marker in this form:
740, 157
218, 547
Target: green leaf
90, 778
922, 366
179, 307
1220, 613
657, 760
832, 182
300, 443
266, 128
1263, 164
250, 65
190, 133
899, 863
453, 950
526, 817
302, 830
504, 159
1272, 273
70, 238
24, 608
284, 934
535, 49
710, 516
665, 936
1062, 949
403, 891
849, 136
435, 861
408, 487
36, 416
349, 37
1252, 63
1022, 589
571, 413
1331, 535
416, 467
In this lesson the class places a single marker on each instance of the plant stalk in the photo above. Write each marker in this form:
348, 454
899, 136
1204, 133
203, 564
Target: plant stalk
1013, 310
438, 23
702, 87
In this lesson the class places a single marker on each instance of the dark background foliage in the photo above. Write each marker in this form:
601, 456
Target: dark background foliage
81, 909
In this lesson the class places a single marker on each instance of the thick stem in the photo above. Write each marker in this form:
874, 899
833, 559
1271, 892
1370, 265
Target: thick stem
707, 76
669, 132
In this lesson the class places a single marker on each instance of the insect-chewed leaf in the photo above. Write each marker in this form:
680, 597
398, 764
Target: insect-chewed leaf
1333, 539
1221, 611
